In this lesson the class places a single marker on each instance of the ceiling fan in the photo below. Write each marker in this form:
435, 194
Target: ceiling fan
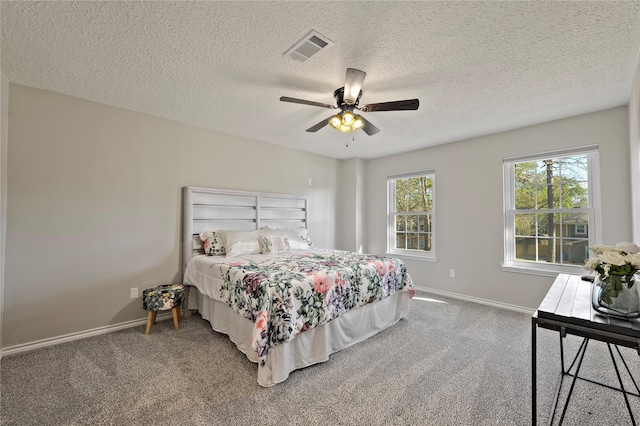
347, 99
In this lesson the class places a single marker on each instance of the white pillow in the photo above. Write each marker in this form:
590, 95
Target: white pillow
213, 245
298, 237
303, 235
238, 243
273, 244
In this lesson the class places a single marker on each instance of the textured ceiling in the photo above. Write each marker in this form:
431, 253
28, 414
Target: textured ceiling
477, 67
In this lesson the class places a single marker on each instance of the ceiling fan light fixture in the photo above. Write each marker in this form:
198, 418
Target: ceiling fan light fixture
346, 122
347, 118
335, 121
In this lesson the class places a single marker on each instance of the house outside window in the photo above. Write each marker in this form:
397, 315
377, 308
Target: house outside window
551, 210
411, 215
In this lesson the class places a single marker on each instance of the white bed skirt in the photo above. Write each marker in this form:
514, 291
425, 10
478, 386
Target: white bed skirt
314, 345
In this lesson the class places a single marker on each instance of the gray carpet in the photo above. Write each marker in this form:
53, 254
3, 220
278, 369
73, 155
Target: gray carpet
451, 363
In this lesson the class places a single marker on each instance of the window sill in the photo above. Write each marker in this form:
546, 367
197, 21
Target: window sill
412, 257
575, 270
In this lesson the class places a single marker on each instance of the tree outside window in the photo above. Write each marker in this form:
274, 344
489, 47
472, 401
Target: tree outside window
411, 214
549, 209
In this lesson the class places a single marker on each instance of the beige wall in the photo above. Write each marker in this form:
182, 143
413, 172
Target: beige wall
469, 209
94, 206
351, 195
4, 136
634, 147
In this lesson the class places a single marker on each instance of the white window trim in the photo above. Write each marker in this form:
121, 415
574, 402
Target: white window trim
594, 210
428, 256
584, 229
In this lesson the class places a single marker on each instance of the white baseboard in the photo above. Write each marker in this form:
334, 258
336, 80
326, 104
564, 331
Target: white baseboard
79, 335
477, 300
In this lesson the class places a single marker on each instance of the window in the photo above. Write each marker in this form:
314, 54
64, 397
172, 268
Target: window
551, 210
411, 214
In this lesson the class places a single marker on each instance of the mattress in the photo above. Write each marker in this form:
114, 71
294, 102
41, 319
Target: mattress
289, 311
309, 348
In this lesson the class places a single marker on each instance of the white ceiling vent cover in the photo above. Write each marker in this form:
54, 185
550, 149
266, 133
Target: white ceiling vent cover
310, 44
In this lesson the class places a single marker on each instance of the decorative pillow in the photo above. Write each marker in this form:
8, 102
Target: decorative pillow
298, 237
213, 245
273, 244
238, 243
303, 234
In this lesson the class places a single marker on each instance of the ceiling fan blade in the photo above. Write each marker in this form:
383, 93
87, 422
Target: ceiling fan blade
408, 104
305, 102
353, 85
369, 128
320, 125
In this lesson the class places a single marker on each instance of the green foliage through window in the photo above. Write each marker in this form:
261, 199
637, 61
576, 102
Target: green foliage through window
551, 215
413, 213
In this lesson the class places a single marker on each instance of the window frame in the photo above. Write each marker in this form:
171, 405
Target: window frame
391, 214
593, 210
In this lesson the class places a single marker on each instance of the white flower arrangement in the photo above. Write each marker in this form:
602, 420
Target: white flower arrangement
616, 267
621, 260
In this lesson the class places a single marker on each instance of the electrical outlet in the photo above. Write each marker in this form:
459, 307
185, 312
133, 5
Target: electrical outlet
134, 292
452, 273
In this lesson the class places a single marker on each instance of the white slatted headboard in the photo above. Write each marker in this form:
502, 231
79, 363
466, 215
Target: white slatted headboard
206, 209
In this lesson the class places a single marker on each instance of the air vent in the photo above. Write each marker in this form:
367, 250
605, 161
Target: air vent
310, 44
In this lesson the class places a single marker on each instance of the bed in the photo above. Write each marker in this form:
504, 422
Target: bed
284, 303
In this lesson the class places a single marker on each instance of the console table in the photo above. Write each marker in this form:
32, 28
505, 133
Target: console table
567, 309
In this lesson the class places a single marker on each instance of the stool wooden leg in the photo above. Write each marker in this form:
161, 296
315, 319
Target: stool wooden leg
150, 320
154, 316
175, 313
179, 313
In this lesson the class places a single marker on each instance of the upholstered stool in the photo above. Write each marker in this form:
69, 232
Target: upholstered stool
163, 298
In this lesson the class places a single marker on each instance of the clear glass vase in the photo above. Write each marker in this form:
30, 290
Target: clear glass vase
617, 295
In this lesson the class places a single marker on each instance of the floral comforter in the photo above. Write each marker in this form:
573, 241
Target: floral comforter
287, 295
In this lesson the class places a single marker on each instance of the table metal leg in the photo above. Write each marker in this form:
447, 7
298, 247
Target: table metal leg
534, 400
561, 335
628, 372
577, 358
575, 377
624, 392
